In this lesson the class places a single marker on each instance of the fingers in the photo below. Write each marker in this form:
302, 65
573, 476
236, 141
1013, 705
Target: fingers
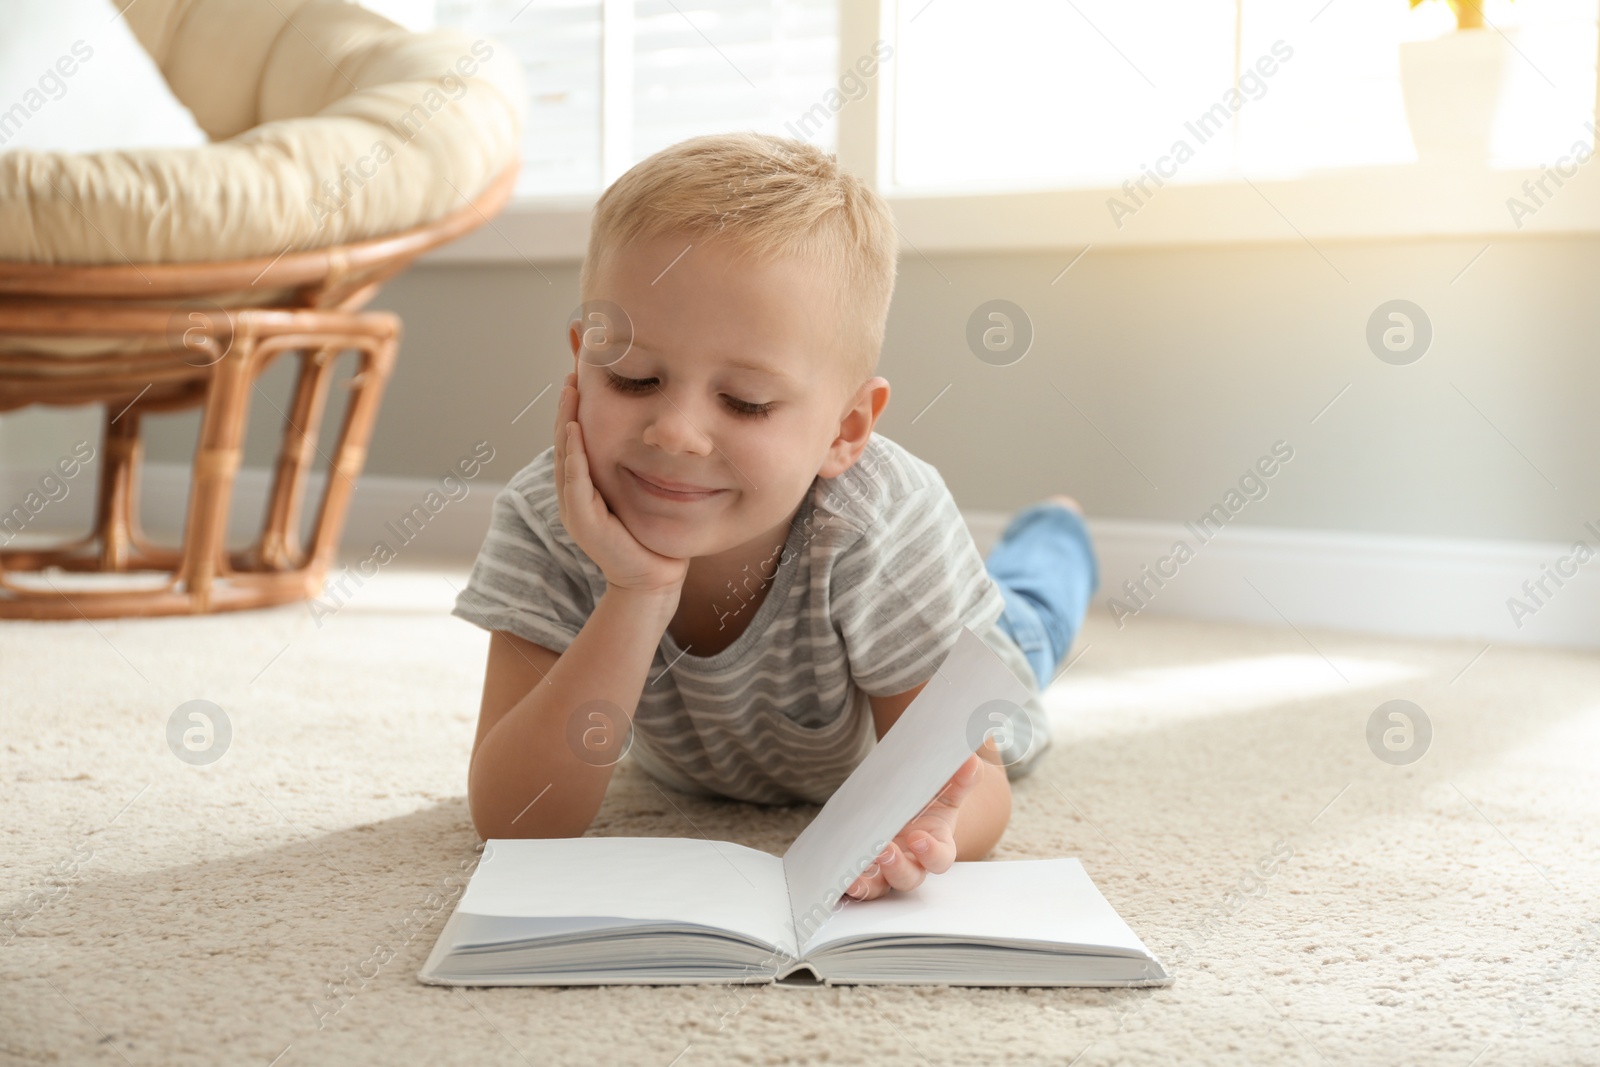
927, 844
940, 852
871, 882
577, 471
902, 869
565, 402
566, 412
868, 884
956, 790
935, 826
558, 434
894, 869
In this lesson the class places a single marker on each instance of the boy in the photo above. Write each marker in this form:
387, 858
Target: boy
718, 566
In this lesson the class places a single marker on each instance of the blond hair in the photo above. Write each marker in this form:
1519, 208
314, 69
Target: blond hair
769, 197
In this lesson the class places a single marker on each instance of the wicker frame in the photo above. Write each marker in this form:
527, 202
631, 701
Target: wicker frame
218, 369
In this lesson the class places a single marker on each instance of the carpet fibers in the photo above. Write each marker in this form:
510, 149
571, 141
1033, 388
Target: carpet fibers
1321, 897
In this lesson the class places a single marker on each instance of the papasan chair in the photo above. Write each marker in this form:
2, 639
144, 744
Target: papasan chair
152, 280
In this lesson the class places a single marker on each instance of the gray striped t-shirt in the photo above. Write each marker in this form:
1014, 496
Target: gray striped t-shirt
869, 594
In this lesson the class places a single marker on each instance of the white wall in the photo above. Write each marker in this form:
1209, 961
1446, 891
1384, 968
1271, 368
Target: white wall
1184, 364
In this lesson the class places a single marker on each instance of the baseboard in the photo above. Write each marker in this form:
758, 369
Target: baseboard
1401, 586
395, 511
1430, 587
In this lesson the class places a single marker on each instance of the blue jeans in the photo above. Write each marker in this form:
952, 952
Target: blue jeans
1045, 566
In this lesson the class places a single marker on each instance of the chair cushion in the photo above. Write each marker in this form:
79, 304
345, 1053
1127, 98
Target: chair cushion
331, 124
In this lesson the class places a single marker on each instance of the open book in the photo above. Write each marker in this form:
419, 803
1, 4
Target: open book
651, 910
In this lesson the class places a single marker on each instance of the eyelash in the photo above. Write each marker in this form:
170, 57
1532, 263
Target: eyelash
639, 385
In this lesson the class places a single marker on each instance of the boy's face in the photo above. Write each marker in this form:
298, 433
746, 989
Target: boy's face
696, 315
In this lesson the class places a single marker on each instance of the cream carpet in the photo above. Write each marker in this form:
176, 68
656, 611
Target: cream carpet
274, 906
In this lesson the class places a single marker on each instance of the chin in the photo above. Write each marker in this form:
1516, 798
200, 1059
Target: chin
665, 536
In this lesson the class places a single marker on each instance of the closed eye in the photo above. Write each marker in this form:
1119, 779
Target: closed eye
644, 385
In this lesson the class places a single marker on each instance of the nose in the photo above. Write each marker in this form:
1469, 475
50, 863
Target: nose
672, 429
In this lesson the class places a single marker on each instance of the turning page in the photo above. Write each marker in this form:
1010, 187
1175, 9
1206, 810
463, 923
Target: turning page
935, 734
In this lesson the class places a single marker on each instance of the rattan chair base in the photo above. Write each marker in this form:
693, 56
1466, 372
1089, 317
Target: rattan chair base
204, 575
160, 363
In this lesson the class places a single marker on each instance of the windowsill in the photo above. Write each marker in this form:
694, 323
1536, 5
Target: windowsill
1361, 203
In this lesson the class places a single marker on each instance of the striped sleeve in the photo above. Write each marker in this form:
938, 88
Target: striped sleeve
901, 592
524, 580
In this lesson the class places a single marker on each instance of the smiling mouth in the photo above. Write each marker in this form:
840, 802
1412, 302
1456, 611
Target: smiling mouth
670, 494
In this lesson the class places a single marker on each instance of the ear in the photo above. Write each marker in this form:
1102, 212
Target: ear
855, 427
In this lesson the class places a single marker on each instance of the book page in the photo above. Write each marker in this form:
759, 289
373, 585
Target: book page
653, 879
1034, 900
897, 779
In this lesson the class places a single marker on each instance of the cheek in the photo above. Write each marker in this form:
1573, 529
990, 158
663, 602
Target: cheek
605, 442
602, 423
779, 467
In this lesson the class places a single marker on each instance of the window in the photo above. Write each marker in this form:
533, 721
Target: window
1019, 123
1049, 94
609, 83
1052, 94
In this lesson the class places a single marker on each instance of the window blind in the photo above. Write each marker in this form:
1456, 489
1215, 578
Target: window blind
693, 67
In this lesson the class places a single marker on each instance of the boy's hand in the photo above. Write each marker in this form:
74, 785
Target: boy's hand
926, 846
622, 559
